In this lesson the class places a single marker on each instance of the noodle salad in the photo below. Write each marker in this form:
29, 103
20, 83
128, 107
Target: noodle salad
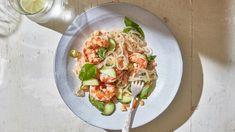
109, 62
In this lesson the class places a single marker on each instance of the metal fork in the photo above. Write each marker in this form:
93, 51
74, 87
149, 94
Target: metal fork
136, 87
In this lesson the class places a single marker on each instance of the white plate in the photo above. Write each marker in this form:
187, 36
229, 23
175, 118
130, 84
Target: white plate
158, 37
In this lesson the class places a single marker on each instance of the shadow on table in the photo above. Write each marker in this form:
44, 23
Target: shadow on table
212, 29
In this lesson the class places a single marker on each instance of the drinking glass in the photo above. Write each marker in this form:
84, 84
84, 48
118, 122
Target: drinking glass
32, 7
54, 14
40, 11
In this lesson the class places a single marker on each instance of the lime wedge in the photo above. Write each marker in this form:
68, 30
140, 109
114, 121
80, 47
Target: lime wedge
32, 6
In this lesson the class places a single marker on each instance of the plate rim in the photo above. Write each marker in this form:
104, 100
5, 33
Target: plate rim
70, 30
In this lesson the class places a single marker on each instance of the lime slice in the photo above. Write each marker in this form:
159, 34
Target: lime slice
32, 6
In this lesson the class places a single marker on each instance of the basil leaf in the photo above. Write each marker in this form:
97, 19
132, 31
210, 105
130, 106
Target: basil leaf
139, 30
128, 29
129, 22
151, 57
101, 53
87, 72
140, 35
112, 45
131, 25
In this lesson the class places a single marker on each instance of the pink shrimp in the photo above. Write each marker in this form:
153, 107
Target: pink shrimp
103, 92
91, 56
96, 42
92, 46
138, 59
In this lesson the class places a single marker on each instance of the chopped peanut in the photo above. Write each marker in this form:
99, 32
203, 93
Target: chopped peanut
97, 33
80, 93
75, 54
126, 105
123, 108
141, 102
85, 88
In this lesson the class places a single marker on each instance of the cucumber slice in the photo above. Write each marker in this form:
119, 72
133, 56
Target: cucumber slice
108, 71
126, 99
112, 45
93, 82
98, 104
109, 108
145, 92
119, 94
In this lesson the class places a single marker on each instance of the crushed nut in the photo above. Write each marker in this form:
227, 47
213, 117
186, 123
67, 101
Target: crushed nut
123, 108
141, 102
80, 93
97, 33
75, 54
85, 88
126, 105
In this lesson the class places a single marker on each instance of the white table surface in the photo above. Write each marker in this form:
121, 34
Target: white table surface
30, 102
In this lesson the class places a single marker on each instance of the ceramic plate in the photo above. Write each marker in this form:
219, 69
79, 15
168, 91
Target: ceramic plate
159, 38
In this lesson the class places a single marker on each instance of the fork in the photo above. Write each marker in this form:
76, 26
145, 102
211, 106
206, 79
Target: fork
136, 87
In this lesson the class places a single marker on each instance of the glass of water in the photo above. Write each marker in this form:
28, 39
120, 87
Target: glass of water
59, 13
31, 7
40, 11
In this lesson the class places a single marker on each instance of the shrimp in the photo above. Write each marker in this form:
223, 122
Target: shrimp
106, 78
103, 92
96, 42
139, 60
91, 56
92, 46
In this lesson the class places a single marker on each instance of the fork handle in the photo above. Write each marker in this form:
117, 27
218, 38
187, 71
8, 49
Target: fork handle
128, 120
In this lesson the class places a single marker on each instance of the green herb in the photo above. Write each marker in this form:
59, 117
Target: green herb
129, 22
139, 30
112, 45
143, 74
151, 57
131, 25
101, 53
87, 72
128, 29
